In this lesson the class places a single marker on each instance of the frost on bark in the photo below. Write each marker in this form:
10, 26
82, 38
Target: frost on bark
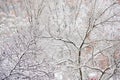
59, 40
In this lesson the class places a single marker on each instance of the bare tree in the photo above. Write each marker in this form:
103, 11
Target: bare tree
60, 40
